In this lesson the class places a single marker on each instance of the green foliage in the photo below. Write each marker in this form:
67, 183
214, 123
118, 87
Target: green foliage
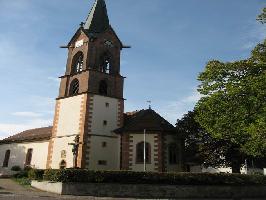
234, 105
27, 168
128, 177
262, 16
36, 174
16, 168
21, 174
200, 146
23, 181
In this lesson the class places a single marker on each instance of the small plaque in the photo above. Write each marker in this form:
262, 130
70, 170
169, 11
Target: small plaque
63, 154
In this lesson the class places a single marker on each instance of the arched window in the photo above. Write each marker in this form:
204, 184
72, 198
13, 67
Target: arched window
6, 160
28, 157
62, 164
77, 64
105, 63
140, 152
74, 87
172, 153
103, 88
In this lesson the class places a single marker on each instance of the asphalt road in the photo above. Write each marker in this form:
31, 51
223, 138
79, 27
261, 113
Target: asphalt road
9, 190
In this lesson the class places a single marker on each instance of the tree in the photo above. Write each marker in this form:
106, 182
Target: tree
233, 108
262, 16
203, 149
228, 125
234, 104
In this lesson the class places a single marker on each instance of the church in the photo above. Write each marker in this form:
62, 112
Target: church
90, 128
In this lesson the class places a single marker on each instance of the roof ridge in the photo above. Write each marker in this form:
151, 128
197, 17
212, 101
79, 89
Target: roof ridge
30, 134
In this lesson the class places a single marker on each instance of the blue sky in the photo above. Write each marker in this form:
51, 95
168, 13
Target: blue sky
171, 42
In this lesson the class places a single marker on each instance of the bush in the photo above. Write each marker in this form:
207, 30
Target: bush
128, 177
16, 168
27, 168
21, 174
35, 174
23, 181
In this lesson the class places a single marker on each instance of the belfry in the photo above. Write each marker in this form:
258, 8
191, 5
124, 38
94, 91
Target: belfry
90, 102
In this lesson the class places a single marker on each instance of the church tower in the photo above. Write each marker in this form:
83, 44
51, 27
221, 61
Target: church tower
90, 104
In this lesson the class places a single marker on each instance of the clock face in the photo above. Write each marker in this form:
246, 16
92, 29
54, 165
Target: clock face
79, 43
108, 43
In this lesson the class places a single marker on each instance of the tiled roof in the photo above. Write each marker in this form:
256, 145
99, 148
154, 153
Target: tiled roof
145, 119
37, 134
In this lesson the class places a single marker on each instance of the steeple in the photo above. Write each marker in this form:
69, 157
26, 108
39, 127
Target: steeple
98, 20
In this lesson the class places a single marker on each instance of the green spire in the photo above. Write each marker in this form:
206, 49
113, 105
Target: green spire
98, 20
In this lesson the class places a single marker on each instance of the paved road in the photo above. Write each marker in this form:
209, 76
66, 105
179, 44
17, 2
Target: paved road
9, 190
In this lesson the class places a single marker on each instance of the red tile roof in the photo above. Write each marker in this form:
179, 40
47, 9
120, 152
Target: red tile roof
38, 134
137, 121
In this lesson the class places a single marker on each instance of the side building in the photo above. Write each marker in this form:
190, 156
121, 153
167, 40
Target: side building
26, 149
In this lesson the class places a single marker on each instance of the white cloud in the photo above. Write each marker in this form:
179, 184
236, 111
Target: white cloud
8, 129
193, 98
174, 110
27, 114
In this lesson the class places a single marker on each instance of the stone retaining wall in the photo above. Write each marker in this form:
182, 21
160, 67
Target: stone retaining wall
151, 191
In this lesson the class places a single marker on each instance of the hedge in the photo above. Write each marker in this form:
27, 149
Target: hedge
128, 177
36, 174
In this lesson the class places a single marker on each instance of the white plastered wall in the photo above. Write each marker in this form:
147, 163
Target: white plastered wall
101, 113
69, 115
137, 138
110, 153
103, 133
61, 144
18, 153
69, 118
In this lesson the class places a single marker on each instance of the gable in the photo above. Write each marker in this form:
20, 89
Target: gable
80, 34
145, 119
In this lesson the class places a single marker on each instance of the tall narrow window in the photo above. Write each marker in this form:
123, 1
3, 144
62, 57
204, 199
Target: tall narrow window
106, 63
140, 152
62, 164
77, 64
103, 88
172, 153
6, 160
28, 157
74, 87
106, 66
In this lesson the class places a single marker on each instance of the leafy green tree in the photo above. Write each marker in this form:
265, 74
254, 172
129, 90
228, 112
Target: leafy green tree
203, 149
234, 104
262, 16
233, 108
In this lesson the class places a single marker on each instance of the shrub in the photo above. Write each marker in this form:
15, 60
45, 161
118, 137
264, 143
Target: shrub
27, 168
128, 177
21, 174
23, 181
35, 174
16, 168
